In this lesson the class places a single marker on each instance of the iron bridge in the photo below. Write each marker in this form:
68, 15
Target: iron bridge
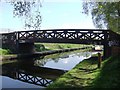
77, 36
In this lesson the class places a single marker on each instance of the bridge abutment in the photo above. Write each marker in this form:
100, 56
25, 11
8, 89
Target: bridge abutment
26, 48
107, 51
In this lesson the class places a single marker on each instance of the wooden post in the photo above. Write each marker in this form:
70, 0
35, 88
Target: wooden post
99, 60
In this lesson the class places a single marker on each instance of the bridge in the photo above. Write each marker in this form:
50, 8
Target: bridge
24, 40
29, 73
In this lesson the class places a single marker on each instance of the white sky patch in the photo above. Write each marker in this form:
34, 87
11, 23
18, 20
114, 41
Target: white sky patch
43, 0
84, 25
65, 14
8, 30
49, 11
62, 1
79, 0
100, 0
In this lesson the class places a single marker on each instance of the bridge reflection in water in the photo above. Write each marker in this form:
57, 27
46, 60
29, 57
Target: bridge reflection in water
32, 79
28, 72
25, 77
29, 77
35, 70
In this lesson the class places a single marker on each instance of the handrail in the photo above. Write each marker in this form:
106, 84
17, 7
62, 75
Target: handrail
92, 35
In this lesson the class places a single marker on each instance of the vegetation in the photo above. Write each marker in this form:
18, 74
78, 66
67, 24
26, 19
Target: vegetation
29, 11
4, 51
40, 47
47, 46
104, 14
56, 46
109, 76
86, 75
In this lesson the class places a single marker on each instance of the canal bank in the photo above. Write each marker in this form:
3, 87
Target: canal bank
86, 75
80, 76
61, 61
43, 53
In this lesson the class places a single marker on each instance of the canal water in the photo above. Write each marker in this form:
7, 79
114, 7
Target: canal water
41, 71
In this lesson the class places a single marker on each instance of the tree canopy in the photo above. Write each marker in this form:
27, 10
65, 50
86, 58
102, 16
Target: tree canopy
29, 11
104, 14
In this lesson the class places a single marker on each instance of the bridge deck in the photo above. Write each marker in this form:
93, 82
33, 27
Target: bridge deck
77, 36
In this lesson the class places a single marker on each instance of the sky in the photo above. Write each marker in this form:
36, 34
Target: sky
56, 14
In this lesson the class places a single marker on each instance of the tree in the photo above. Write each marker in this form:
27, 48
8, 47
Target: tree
29, 11
104, 14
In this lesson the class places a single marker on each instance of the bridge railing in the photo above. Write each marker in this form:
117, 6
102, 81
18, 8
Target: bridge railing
8, 38
61, 35
80, 36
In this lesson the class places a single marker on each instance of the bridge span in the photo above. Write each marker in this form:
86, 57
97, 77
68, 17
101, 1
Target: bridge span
26, 39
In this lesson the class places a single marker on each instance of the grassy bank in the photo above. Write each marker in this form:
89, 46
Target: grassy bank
46, 47
4, 51
86, 74
109, 76
56, 46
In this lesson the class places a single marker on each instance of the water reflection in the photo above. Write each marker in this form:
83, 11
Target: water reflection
32, 79
45, 69
37, 76
26, 71
62, 61
14, 83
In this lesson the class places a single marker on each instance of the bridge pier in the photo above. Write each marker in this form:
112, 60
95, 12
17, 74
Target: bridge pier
107, 51
26, 48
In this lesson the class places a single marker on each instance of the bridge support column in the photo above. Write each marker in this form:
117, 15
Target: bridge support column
107, 51
26, 48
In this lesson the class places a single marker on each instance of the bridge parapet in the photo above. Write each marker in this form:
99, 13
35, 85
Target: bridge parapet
75, 36
20, 39
8, 38
9, 41
79, 36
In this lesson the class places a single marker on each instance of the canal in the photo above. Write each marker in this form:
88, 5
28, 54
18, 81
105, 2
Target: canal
41, 71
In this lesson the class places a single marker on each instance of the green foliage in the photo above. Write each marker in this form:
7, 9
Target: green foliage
55, 46
104, 14
80, 76
40, 47
29, 11
86, 75
4, 51
109, 76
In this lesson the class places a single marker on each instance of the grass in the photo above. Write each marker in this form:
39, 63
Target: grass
56, 46
4, 51
86, 75
47, 46
109, 76
80, 76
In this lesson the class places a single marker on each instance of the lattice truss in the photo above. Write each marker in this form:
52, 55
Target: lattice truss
80, 35
9, 38
43, 34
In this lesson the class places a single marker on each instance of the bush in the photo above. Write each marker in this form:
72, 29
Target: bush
39, 47
4, 51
